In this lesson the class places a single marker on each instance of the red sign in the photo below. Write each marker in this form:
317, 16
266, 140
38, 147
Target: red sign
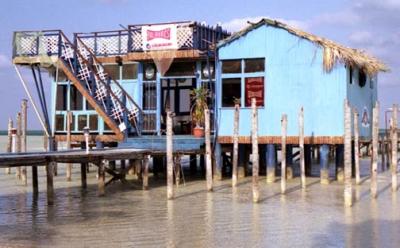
254, 88
162, 34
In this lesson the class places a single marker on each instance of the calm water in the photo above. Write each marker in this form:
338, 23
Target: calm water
130, 217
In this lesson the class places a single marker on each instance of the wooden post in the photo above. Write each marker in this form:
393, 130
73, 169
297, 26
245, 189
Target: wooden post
283, 145
83, 175
170, 158
301, 147
271, 163
18, 137
101, 180
9, 141
177, 162
50, 186
145, 172
69, 124
348, 192
394, 140
24, 126
255, 156
35, 181
356, 147
235, 154
374, 168
209, 176
323, 162
339, 162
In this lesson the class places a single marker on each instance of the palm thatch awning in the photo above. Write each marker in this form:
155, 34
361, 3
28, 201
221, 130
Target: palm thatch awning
333, 52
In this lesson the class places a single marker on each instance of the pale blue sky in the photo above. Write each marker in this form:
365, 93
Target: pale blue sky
372, 25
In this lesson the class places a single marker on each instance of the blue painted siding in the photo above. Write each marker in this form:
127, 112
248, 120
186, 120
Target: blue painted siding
294, 77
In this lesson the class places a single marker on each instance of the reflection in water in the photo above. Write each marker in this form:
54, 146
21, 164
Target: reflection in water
130, 217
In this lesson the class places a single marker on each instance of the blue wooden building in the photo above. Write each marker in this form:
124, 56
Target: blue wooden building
287, 69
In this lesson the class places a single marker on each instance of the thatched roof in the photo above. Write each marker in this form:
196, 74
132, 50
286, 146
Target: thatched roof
333, 52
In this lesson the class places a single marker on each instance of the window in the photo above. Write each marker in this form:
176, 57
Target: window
60, 77
254, 88
76, 99
112, 71
59, 122
149, 96
61, 97
254, 65
129, 71
232, 66
82, 122
231, 91
362, 78
93, 122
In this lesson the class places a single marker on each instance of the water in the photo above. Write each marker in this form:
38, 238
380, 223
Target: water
130, 217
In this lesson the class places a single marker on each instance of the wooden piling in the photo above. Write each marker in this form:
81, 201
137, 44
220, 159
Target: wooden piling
50, 186
394, 140
374, 168
348, 192
145, 172
209, 176
18, 143
283, 145
170, 159
83, 175
271, 163
9, 141
177, 162
69, 125
101, 180
301, 147
255, 156
235, 154
356, 148
24, 126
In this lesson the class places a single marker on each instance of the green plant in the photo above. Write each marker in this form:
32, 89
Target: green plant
199, 99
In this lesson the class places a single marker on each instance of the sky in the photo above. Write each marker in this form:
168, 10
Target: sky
370, 25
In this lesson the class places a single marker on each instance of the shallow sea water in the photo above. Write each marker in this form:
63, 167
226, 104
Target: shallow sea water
130, 217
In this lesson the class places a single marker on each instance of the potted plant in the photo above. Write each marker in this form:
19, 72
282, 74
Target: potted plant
199, 99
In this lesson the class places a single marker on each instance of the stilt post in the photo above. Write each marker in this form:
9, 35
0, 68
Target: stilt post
145, 170
9, 141
255, 156
101, 181
24, 126
18, 137
209, 176
374, 168
50, 185
324, 161
348, 192
69, 124
283, 145
394, 140
356, 147
235, 146
170, 159
301, 147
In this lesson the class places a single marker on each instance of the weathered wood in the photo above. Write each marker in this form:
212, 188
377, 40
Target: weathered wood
177, 162
18, 143
83, 175
145, 172
35, 181
348, 192
101, 180
283, 145
394, 140
9, 141
50, 186
170, 159
374, 167
69, 125
254, 155
301, 147
209, 176
235, 154
24, 126
271, 163
356, 147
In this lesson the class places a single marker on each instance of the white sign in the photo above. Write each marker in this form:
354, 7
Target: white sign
159, 37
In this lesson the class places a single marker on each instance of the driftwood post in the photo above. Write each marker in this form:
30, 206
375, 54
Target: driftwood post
101, 181
170, 158
235, 146
255, 156
19, 127
374, 168
69, 123
24, 126
9, 141
209, 176
50, 186
145, 170
283, 145
356, 148
348, 195
301, 147
394, 139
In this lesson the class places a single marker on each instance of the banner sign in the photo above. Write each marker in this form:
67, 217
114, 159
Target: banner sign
159, 37
254, 88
